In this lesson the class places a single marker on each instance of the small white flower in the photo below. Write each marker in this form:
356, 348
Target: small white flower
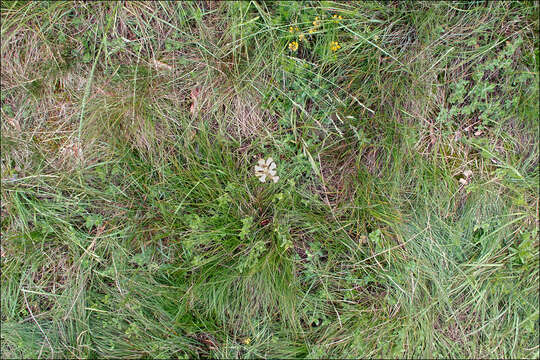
266, 169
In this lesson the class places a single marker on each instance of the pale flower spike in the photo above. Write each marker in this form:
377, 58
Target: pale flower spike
266, 169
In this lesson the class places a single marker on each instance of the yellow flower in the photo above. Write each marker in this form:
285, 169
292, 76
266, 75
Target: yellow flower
293, 45
334, 46
247, 341
301, 37
311, 31
337, 18
317, 22
293, 29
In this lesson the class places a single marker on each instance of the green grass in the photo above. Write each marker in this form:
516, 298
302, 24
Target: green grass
404, 223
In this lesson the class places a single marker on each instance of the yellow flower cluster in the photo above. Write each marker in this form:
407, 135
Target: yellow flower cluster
337, 18
293, 45
334, 46
316, 24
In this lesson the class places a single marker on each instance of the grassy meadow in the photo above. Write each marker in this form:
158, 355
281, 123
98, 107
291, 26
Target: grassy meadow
404, 223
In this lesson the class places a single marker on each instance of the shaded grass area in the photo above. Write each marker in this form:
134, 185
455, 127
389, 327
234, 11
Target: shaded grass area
404, 223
